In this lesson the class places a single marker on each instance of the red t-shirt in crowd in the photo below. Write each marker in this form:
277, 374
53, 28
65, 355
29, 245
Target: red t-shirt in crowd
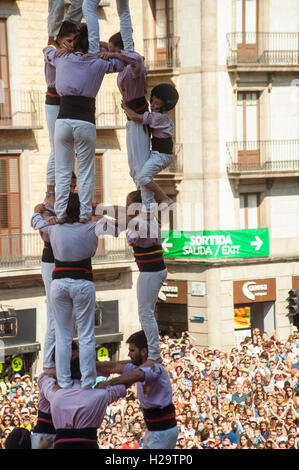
133, 445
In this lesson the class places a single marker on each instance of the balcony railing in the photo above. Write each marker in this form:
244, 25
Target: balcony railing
109, 113
263, 49
25, 250
176, 166
263, 155
161, 53
21, 109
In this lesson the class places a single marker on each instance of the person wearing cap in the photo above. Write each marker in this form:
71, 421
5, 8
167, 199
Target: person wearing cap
163, 99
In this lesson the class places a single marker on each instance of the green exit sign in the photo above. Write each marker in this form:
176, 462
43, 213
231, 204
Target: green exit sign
216, 244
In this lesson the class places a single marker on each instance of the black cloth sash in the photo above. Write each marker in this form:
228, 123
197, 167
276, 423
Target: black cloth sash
52, 96
77, 107
162, 145
85, 438
73, 269
160, 419
44, 424
48, 256
139, 105
149, 259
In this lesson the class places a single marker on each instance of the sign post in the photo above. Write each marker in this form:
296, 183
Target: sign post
216, 244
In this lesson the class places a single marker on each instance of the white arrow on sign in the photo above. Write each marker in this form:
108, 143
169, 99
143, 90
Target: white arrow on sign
166, 245
258, 243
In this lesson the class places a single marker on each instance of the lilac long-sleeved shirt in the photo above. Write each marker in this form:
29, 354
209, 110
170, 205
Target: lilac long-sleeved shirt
160, 123
155, 391
43, 403
78, 76
143, 233
50, 75
73, 242
131, 80
77, 408
49, 211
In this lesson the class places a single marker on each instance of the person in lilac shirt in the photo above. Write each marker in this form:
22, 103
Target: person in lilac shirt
163, 99
144, 235
154, 392
132, 85
72, 289
78, 80
44, 428
65, 36
47, 266
77, 413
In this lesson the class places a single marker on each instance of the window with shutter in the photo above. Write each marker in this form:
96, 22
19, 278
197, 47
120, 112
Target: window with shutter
5, 105
250, 214
10, 206
163, 30
98, 194
248, 119
247, 27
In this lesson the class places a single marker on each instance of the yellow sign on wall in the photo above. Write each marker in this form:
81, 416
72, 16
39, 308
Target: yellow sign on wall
102, 354
17, 364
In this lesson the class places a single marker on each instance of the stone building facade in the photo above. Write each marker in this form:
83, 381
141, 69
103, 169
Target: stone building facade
235, 64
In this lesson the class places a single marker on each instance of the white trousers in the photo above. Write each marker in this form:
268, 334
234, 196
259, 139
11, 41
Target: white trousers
148, 287
126, 29
74, 299
56, 15
89, 8
138, 154
70, 133
160, 439
49, 343
157, 162
36, 437
51, 116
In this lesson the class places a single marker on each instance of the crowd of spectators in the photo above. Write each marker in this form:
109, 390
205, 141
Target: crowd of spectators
245, 399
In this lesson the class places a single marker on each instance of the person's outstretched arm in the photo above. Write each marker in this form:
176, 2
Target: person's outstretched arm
127, 379
107, 368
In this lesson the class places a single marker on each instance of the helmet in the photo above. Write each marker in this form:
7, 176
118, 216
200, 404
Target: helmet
167, 93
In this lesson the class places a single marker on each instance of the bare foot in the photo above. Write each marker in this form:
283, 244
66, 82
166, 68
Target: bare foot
166, 204
167, 201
